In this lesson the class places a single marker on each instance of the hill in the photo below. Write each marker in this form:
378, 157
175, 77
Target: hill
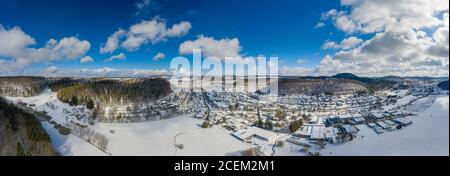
320, 86
21, 86
21, 133
443, 85
374, 84
116, 100
345, 76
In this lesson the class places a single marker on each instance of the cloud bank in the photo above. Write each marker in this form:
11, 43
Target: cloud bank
152, 31
408, 38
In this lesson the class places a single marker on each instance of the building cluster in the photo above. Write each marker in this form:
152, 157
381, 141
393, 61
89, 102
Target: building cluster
261, 118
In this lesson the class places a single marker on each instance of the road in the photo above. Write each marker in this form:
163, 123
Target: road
205, 99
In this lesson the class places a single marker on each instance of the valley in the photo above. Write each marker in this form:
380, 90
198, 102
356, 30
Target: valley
310, 116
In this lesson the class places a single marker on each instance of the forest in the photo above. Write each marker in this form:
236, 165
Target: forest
21, 133
108, 91
21, 86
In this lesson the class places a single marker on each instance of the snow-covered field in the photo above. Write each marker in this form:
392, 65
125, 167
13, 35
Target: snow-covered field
428, 135
159, 138
149, 138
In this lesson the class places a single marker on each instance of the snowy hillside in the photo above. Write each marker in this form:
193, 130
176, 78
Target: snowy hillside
148, 138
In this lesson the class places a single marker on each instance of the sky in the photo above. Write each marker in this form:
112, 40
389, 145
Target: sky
140, 37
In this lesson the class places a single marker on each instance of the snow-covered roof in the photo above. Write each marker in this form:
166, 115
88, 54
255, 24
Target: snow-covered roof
383, 125
345, 116
318, 132
389, 122
359, 119
304, 131
403, 120
244, 134
350, 129
372, 125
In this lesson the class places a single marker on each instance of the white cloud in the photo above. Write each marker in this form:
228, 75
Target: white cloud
387, 54
86, 59
301, 61
298, 71
113, 42
330, 45
17, 52
120, 56
345, 44
345, 24
100, 70
14, 41
350, 42
142, 5
179, 30
399, 44
212, 48
368, 16
51, 70
159, 56
319, 25
108, 72
152, 31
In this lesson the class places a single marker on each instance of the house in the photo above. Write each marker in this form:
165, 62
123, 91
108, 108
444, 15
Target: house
304, 131
318, 132
403, 121
372, 125
331, 134
345, 116
358, 120
378, 129
350, 129
378, 116
332, 121
383, 125
251, 133
390, 123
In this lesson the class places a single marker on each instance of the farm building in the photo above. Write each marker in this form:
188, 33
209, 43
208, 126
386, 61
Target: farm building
251, 133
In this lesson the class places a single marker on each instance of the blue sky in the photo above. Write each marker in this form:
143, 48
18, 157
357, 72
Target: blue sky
273, 28
283, 28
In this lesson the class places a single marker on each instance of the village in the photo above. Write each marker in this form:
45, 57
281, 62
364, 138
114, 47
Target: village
262, 119
265, 121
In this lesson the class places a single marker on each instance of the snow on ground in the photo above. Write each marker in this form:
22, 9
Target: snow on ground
148, 138
65, 145
401, 102
209, 142
75, 146
428, 135
420, 105
41, 104
158, 138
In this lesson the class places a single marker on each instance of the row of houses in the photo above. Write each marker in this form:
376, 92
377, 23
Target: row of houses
389, 125
319, 132
255, 135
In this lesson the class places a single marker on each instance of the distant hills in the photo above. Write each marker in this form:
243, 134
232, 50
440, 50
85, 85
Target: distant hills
336, 84
316, 86
443, 85
21, 86
345, 76
373, 84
